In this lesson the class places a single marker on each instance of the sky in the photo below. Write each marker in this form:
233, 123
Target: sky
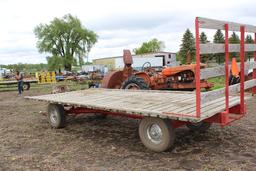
120, 24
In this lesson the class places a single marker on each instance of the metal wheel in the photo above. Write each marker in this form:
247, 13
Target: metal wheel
56, 115
26, 86
156, 134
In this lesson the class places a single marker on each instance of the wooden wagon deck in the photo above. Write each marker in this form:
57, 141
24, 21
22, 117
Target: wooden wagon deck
163, 104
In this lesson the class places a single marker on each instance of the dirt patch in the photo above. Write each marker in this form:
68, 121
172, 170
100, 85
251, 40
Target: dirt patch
88, 143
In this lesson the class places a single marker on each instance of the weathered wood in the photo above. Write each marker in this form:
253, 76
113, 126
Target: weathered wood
173, 105
215, 94
218, 24
220, 70
211, 48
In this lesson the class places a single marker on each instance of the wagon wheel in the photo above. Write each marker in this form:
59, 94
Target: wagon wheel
156, 134
199, 127
136, 83
56, 115
26, 86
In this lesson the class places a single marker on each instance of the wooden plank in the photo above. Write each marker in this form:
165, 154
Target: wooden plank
215, 94
146, 103
218, 24
217, 109
220, 70
211, 48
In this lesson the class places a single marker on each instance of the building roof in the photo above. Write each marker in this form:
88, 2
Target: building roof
136, 55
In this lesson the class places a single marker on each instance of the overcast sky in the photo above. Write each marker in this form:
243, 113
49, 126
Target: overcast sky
120, 24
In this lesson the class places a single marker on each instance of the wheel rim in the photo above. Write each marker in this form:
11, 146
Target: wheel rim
154, 133
132, 86
25, 86
54, 116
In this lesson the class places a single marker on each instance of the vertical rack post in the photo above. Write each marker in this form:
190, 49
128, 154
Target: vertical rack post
254, 70
198, 95
242, 30
226, 68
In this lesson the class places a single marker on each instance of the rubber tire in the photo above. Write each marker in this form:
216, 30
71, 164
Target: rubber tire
140, 82
167, 131
61, 116
100, 116
200, 127
26, 86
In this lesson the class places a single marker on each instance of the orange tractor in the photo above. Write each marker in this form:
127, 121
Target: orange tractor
169, 78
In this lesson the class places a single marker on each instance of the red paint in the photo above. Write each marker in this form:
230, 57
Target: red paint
177, 124
242, 70
254, 70
236, 109
198, 96
81, 110
226, 68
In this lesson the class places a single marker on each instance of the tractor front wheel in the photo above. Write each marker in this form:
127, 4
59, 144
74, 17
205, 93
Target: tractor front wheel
136, 83
156, 134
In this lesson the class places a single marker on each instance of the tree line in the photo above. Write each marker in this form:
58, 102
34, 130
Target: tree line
188, 45
67, 43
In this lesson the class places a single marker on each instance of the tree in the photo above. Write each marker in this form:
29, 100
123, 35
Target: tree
187, 45
54, 63
219, 38
203, 40
65, 37
153, 45
234, 39
249, 40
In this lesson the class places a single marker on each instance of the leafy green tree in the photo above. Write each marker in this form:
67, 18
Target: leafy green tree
249, 40
65, 37
219, 38
203, 40
27, 68
234, 39
153, 45
187, 45
54, 63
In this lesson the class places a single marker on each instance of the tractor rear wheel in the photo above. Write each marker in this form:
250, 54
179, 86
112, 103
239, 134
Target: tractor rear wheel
136, 83
156, 134
199, 127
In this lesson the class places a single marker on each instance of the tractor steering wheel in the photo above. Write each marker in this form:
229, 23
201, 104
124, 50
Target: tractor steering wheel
146, 65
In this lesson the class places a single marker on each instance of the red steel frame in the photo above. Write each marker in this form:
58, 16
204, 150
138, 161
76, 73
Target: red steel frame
254, 70
198, 89
242, 30
223, 117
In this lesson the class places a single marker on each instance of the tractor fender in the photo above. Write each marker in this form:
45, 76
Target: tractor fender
145, 76
113, 80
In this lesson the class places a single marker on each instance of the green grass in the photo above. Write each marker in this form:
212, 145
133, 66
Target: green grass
48, 87
219, 82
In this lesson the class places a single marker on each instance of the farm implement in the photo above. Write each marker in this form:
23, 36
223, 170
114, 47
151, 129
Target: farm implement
169, 78
161, 112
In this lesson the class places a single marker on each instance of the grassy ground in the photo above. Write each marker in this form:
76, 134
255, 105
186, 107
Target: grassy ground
219, 82
48, 87
88, 142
